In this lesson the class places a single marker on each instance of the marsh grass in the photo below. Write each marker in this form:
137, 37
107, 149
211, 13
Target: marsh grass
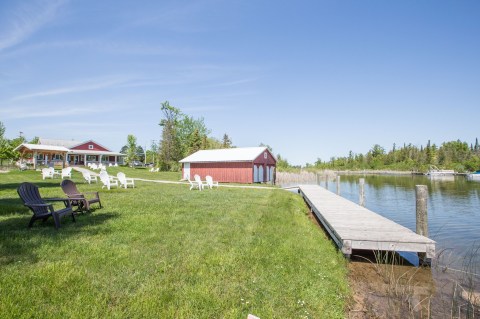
162, 251
418, 292
463, 284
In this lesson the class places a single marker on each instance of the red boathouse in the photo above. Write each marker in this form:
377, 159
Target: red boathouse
231, 165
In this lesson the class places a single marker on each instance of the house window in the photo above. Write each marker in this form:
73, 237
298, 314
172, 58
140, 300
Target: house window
265, 155
90, 146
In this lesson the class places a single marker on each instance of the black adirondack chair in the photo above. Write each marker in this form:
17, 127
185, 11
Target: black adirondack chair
79, 199
41, 209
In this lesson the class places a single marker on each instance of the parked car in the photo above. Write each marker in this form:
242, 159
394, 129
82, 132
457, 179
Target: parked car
136, 164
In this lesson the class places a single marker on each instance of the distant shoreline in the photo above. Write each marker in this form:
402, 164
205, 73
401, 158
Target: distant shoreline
377, 172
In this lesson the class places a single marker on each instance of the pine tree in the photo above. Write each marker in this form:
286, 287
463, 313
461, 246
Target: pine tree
195, 142
226, 141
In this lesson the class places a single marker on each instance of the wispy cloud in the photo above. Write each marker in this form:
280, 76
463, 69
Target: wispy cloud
39, 112
90, 85
25, 20
232, 83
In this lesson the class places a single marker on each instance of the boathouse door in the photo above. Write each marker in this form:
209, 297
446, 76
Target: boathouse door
186, 171
260, 174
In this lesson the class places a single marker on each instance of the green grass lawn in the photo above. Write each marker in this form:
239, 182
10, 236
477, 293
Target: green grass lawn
162, 251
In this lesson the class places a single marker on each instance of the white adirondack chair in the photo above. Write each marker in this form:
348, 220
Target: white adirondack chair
54, 172
210, 182
107, 182
193, 185
89, 178
197, 183
66, 172
47, 173
124, 181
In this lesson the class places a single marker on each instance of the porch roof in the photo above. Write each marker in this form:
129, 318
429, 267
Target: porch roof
41, 148
89, 152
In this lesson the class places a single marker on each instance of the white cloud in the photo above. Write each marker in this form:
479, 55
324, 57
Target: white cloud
39, 112
26, 19
90, 85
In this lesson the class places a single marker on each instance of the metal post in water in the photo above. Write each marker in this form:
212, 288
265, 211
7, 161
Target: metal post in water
361, 191
338, 184
421, 195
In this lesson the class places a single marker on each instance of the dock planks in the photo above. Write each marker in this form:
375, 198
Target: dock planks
353, 227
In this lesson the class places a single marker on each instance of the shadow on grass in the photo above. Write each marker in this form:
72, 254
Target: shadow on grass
40, 184
18, 243
9, 206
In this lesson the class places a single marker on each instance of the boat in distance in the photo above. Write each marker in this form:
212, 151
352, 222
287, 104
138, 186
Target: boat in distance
435, 171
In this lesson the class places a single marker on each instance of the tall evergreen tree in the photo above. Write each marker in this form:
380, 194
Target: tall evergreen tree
226, 141
195, 142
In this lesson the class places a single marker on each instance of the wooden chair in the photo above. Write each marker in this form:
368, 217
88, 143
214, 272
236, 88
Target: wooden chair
79, 199
41, 209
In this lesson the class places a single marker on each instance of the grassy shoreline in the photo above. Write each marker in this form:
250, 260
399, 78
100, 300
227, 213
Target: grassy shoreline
160, 250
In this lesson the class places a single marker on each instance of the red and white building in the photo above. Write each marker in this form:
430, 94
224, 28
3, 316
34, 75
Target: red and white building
231, 165
69, 152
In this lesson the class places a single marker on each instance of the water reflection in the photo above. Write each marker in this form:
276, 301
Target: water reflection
453, 206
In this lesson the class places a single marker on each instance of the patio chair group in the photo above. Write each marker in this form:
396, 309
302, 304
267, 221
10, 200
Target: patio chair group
197, 183
42, 208
120, 180
50, 172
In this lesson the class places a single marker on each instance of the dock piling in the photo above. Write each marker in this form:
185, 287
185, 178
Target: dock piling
421, 195
338, 185
361, 191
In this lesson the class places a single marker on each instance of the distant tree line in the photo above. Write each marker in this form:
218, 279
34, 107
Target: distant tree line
7, 146
181, 136
457, 155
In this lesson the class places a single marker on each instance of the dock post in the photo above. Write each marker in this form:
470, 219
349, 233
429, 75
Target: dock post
421, 195
318, 178
361, 190
326, 181
338, 184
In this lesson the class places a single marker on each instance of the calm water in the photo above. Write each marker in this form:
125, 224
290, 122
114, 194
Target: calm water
453, 208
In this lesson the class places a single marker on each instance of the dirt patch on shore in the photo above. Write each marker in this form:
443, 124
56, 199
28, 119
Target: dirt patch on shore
387, 286
405, 291
386, 291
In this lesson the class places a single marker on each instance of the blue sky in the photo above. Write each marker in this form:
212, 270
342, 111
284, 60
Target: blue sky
313, 79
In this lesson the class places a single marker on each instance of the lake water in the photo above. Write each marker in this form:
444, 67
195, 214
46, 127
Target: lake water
453, 209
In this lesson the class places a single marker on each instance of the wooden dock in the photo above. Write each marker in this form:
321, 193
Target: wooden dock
354, 227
